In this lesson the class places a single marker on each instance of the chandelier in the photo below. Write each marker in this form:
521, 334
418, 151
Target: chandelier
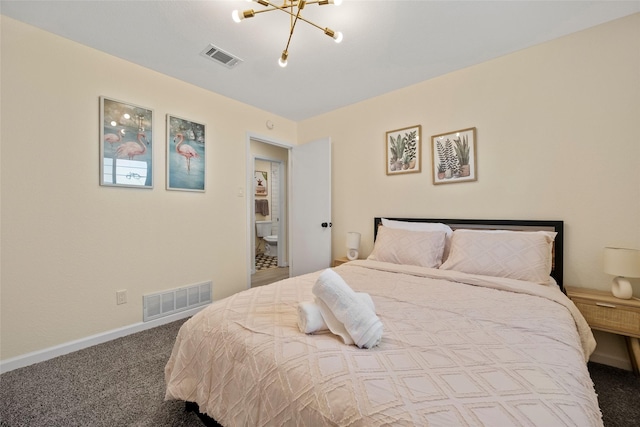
293, 8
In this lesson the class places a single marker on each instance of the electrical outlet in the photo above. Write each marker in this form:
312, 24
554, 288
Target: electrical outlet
121, 297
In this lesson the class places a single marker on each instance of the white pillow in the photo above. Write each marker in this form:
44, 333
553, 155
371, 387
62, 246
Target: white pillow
521, 255
423, 226
423, 248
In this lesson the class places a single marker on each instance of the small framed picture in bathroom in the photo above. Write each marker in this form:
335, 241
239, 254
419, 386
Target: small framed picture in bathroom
185, 154
260, 183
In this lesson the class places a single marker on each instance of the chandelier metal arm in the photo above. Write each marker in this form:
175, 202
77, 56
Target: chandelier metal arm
297, 15
267, 10
288, 7
293, 26
284, 7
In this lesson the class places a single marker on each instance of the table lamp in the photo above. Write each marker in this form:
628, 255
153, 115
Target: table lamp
622, 263
353, 245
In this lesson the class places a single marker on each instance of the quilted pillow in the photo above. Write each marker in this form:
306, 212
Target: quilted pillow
521, 255
423, 248
423, 226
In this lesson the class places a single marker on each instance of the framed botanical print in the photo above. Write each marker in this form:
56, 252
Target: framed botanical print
453, 156
403, 150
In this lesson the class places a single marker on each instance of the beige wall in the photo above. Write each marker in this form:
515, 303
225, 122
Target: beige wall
67, 243
556, 139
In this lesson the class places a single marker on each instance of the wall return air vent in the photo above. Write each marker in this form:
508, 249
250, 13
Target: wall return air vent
173, 301
220, 56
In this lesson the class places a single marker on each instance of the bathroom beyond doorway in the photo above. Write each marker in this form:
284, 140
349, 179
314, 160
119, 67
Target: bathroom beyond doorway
268, 218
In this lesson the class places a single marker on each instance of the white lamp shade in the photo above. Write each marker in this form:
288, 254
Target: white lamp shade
353, 240
622, 262
353, 245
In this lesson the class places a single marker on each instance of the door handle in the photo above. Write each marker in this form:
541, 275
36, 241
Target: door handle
325, 225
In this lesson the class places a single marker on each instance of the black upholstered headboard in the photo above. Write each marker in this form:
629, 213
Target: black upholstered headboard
506, 224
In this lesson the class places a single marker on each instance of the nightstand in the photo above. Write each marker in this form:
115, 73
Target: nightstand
340, 261
604, 312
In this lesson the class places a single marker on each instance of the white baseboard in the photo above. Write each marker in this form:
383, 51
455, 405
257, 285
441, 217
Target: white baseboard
607, 359
66, 348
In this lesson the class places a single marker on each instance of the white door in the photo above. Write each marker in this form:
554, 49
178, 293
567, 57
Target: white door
310, 200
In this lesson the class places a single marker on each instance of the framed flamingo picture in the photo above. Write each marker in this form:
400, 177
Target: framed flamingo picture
185, 154
126, 144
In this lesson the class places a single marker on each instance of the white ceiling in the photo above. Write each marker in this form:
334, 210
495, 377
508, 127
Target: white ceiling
387, 44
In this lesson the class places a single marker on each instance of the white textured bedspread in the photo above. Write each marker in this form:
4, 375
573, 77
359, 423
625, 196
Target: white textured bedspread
457, 349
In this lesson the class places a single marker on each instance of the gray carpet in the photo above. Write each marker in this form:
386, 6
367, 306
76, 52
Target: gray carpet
618, 395
121, 383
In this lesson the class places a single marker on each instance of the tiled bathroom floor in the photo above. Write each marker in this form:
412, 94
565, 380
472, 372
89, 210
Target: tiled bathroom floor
263, 262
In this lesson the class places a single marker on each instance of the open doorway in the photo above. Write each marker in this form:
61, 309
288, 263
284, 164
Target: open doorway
268, 204
305, 220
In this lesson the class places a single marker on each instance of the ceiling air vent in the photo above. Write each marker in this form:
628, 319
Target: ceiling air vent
220, 56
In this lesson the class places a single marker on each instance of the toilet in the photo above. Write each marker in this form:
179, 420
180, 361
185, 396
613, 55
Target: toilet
263, 231
263, 228
271, 246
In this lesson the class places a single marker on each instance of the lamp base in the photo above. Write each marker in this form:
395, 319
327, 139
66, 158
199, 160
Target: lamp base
621, 288
352, 254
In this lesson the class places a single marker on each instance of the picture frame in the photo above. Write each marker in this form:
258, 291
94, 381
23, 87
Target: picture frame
260, 184
186, 146
126, 144
403, 150
453, 156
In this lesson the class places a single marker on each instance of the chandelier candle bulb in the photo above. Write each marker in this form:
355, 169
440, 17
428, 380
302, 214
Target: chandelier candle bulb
283, 59
237, 16
336, 35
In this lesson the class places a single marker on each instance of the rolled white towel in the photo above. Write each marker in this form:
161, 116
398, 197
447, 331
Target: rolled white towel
310, 318
344, 313
333, 324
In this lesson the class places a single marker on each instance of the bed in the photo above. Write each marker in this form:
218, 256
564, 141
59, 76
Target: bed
502, 348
